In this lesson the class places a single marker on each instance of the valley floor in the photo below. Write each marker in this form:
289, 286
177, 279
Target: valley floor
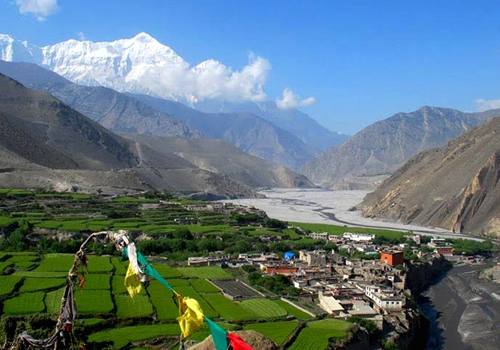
328, 207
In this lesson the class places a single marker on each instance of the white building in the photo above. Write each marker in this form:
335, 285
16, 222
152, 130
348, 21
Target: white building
388, 300
331, 305
359, 237
319, 235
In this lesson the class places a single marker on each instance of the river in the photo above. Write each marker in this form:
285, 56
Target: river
464, 311
328, 207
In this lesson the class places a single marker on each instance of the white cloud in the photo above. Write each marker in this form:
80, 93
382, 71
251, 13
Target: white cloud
484, 105
291, 100
41, 9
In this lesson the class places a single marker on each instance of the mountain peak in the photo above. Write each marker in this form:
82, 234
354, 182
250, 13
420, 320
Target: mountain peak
143, 37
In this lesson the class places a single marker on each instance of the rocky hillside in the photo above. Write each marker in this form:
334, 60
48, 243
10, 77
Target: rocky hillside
44, 143
42, 130
456, 187
248, 132
379, 149
221, 158
116, 111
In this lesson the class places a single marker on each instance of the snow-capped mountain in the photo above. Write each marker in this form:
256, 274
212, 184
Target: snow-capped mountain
142, 64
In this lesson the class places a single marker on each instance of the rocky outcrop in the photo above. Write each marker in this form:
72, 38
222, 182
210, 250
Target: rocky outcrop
456, 187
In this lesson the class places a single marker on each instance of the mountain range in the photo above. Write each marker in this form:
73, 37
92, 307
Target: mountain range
378, 150
44, 143
142, 65
456, 187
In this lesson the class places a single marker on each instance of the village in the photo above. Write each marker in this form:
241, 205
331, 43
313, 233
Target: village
338, 282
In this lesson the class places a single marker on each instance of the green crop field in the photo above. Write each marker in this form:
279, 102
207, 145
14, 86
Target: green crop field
162, 301
97, 281
8, 283
278, 331
167, 271
99, 264
127, 307
122, 336
264, 308
117, 285
26, 303
292, 310
228, 310
55, 263
93, 301
210, 272
317, 333
33, 284
53, 301
203, 286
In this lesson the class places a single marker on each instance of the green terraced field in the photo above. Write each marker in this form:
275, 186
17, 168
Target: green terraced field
292, 310
53, 301
278, 332
228, 310
97, 281
264, 308
210, 272
93, 301
99, 264
26, 303
8, 283
122, 336
127, 307
162, 301
33, 284
203, 286
56, 263
317, 333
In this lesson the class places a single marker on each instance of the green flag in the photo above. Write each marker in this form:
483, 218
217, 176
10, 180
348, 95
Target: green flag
219, 334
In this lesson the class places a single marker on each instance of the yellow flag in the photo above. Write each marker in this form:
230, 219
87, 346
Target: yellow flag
132, 282
191, 315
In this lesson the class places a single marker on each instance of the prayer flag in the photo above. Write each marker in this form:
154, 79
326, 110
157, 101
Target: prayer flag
191, 315
237, 343
132, 281
219, 334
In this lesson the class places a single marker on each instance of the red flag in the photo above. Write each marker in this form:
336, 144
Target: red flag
236, 343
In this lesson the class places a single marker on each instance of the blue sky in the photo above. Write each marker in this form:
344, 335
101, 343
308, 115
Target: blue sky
361, 60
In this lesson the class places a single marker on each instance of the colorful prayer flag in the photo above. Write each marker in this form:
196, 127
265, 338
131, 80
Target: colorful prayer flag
237, 343
191, 315
219, 334
132, 281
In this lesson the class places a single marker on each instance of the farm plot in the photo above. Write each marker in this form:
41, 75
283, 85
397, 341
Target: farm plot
8, 284
236, 289
119, 265
210, 272
167, 271
316, 334
53, 301
33, 284
292, 310
278, 332
99, 264
55, 263
228, 310
203, 286
26, 303
127, 307
117, 285
162, 301
97, 281
264, 308
93, 301
122, 336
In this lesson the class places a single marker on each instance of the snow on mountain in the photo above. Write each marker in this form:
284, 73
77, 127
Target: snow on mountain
143, 65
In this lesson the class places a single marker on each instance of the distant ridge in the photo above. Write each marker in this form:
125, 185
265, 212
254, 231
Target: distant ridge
381, 148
